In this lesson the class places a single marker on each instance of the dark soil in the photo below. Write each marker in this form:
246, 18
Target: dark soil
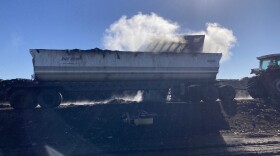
255, 117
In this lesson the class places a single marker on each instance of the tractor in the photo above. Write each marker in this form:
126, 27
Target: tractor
266, 82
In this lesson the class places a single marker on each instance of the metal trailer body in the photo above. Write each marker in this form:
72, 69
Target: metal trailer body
103, 65
186, 74
101, 73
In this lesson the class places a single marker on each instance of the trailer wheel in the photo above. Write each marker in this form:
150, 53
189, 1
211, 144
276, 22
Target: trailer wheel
49, 98
23, 99
210, 93
226, 93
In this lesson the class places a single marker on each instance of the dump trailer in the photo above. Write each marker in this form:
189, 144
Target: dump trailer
186, 76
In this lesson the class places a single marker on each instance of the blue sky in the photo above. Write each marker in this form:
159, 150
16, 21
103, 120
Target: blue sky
68, 24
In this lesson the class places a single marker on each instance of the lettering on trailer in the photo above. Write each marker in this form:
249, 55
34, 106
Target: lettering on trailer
71, 59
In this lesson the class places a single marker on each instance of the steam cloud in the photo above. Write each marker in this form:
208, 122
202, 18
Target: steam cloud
218, 39
131, 34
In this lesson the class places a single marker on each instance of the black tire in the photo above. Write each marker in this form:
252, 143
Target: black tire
49, 98
210, 93
275, 93
255, 89
226, 93
23, 99
276, 87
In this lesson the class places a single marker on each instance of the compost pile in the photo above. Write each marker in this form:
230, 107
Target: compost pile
255, 117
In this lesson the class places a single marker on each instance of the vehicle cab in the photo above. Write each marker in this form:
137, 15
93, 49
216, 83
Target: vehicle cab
268, 63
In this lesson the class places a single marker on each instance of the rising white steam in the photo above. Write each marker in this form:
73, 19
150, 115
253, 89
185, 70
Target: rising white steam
218, 39
131, 34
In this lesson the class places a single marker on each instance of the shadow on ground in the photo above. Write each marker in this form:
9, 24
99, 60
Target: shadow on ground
179, 128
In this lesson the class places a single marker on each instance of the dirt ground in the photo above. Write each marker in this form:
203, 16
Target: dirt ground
241, 127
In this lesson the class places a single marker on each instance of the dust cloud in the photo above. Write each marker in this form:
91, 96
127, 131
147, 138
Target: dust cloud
125, 98
138, 97
242, 95
140, 30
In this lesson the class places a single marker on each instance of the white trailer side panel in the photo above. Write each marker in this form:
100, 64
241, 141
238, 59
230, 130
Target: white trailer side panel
99, 65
